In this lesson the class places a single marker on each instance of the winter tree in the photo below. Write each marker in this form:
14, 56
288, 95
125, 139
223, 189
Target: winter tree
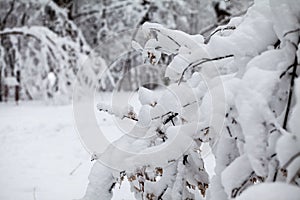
236, 90
112, 25
80, 26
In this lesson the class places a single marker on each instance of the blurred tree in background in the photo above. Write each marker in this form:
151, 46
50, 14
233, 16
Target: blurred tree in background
45, 41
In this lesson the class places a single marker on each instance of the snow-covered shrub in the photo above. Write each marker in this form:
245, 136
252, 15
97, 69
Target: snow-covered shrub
233, 90
44, 45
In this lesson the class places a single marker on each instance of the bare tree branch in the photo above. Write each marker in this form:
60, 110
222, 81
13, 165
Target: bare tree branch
290, 93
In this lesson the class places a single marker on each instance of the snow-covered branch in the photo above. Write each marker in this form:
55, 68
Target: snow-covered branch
239, 106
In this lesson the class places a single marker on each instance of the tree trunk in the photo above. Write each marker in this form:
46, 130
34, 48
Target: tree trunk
17, 87
5, 88
1, 84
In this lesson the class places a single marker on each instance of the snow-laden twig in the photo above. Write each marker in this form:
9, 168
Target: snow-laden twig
218, 30
292, 31
118, 111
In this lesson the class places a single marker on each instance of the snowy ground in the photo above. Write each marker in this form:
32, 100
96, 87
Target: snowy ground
42, 157
41, 154
38, 150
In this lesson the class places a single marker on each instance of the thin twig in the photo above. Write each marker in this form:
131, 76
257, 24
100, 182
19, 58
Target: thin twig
224, 21
229, 131
218, 30
292, 31
85, 14
188, 104
161, 195
236, 191
200, 62
290, 160
295, 176
212, 26
172, 39
290, 94
73, 171
132, 118
285, 71
162, 115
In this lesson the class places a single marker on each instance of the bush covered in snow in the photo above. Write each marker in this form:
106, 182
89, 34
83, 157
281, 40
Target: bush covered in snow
38, 40
233, 90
